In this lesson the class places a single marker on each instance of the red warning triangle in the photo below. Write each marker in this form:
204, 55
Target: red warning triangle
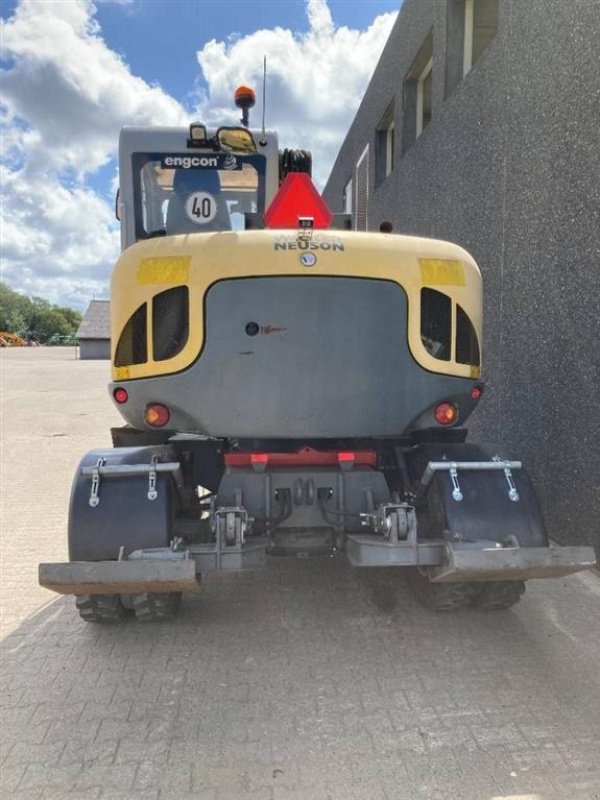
297, 197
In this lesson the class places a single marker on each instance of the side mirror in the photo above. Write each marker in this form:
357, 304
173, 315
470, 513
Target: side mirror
238, 140
117, 205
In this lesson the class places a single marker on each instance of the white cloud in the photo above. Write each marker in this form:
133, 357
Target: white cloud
66, 94
315, 80
59, 242
65, 97
73, 92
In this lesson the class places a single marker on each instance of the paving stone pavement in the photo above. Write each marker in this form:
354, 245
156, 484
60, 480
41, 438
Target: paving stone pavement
309, 681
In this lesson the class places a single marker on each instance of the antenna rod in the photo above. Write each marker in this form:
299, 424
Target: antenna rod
264, 98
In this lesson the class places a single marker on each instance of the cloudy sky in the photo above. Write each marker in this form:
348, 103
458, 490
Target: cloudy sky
73, 72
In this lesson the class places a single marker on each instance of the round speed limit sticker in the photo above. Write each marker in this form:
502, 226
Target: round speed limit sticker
201, 207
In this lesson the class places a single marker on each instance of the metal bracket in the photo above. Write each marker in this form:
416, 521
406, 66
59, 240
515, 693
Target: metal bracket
95, 489
102, 469
456, 492
512, 489
230, 525
394, 521
152, 491
454, 466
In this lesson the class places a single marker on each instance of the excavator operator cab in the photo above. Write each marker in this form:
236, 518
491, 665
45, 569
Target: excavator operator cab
173, 184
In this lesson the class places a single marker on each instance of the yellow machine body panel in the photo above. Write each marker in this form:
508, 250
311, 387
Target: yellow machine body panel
198, 261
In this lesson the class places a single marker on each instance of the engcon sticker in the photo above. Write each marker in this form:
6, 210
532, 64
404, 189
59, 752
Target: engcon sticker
212, 161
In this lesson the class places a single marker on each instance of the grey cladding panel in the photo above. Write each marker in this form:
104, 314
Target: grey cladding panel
327, 361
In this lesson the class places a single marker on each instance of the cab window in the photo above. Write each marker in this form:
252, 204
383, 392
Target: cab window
195, 193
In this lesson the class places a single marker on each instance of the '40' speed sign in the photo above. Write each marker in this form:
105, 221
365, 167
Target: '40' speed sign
201, 207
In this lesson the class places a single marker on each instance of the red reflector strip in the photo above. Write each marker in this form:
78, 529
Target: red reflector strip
307, 457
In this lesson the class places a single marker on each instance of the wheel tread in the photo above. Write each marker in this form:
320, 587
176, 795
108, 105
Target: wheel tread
105, 609
443, 596
499, 595
156, 606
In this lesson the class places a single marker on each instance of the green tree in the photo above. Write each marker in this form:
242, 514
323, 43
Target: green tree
36, 316
15, 310
49, 321
72, 316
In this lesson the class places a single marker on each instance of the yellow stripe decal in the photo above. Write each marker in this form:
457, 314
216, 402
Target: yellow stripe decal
442, 272
165, 269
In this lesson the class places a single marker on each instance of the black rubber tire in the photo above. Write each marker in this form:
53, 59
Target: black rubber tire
155, 606
442, 596
499, 595
105, 609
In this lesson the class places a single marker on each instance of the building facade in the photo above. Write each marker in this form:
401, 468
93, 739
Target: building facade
94, 331
481, 125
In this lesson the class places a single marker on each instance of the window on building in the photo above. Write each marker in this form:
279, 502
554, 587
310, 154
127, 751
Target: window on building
471, 26
417, 96
389, 148
348, 204
481, 24
424, 98
385, 141
362, 191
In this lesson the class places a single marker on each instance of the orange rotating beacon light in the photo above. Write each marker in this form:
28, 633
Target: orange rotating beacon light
245, 99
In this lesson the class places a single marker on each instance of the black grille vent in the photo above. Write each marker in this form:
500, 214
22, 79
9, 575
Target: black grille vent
467, 346
436, 323
131, 348
170, 322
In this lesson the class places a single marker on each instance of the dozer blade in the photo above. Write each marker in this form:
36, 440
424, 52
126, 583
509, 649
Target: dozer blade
512, 563
119, 577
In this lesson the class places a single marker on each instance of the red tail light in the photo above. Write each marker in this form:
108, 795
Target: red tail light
120, 395
156, 415
446, 413
476, 392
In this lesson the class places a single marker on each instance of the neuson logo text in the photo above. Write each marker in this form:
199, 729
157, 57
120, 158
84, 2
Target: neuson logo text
190, 162
289, 243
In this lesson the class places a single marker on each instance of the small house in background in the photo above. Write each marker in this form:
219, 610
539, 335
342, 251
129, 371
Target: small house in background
94, 331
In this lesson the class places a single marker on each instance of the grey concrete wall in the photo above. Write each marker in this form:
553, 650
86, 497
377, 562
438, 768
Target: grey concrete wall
510, 169
94, 348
